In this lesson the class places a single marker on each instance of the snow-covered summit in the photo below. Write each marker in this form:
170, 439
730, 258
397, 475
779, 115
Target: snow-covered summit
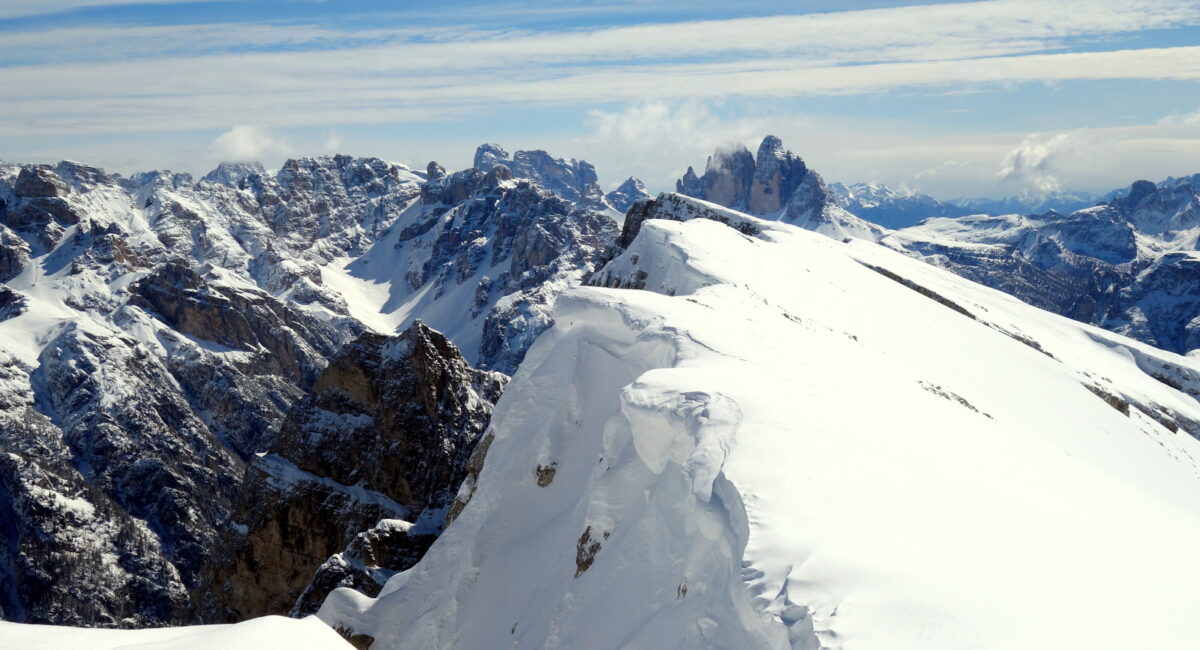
786, 441
891, 207
573, 180
625, 194
234, 174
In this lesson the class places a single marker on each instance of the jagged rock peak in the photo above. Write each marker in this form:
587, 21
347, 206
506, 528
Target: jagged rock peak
234, 174
434, 171
489, 155
628, 192
776, 184
1137, 191
386, 434
571, 179
727, 177
777, 174
497, 175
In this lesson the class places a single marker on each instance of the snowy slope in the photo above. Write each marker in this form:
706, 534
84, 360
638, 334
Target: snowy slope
269, 633
789, 441
1127, 265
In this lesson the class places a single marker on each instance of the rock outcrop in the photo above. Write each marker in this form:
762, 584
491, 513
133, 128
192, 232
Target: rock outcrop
628, 192
573, 180
776, 183
385, 435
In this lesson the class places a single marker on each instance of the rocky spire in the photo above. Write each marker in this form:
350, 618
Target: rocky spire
629, 191
777, 174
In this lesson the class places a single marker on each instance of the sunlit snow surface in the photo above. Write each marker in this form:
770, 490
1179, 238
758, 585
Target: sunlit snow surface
268, 633
774, 445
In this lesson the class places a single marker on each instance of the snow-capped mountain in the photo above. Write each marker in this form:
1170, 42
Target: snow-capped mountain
573, 180
288, 392
746, 435
158, 333
891, 207
1058, 201
774, 184
628, 192
1129, 265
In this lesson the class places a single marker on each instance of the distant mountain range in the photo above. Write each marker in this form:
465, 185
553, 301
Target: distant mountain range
236, 395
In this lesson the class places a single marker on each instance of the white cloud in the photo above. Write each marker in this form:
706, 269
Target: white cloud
19, 8
1034, 163
245, 143
333, 142
340, 88
379, 76
657, 140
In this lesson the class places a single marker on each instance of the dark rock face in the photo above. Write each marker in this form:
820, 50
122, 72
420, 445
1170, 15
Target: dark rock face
12, 304
373, 556
286, 342
386, 434
777, 174
516, 244
728, 177
14, 253
126, 430
68, 552
119, 411
777, 184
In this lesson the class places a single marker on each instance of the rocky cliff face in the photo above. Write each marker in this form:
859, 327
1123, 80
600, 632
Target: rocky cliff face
157, 334
625, 194
573, 180
774, 183
482, 257
385, 435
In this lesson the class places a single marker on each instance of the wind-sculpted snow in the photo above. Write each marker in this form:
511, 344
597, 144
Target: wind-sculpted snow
814, 444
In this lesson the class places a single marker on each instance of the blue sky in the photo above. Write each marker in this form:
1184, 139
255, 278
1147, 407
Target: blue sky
954, 99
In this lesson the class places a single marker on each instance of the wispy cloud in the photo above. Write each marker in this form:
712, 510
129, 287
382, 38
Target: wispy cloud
651, 93
20, 8
342, 87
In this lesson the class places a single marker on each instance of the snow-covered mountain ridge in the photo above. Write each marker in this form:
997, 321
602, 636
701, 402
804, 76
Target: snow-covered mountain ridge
157, 332
216, 401
782, 440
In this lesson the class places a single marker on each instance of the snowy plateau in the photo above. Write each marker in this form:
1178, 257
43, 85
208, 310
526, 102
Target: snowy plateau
499, 407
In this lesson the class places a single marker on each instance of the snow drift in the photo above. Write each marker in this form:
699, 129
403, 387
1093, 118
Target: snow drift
787, 441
